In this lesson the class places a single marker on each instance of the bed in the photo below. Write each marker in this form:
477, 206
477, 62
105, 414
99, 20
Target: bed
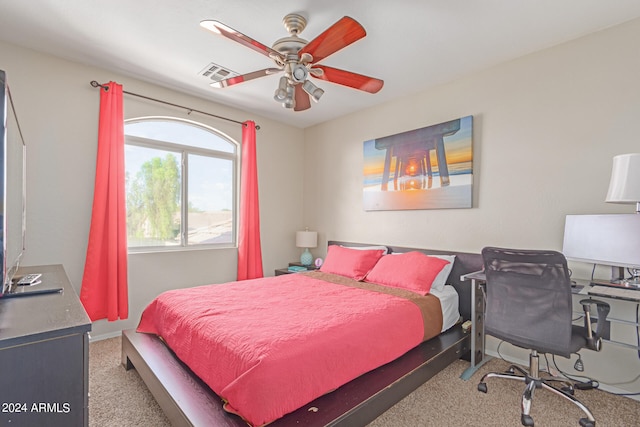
345, 394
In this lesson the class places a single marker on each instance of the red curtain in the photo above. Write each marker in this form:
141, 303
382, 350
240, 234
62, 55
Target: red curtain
104, 291
249, 251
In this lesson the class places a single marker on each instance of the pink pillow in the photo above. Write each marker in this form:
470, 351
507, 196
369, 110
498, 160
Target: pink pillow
351, 263
413, 271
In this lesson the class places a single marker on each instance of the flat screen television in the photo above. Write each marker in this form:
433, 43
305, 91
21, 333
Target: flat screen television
12, 186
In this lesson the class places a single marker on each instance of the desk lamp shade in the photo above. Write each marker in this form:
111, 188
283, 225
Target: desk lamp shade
624, 186
306, 239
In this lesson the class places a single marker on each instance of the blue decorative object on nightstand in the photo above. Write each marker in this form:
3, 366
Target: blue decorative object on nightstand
306, 258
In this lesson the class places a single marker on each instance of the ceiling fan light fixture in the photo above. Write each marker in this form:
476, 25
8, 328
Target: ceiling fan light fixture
289, 101
314, 91
281, 92
299, 73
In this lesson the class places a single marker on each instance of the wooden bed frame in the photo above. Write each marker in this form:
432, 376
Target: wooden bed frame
187, 401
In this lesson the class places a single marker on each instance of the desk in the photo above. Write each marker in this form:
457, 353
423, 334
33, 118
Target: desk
478, 357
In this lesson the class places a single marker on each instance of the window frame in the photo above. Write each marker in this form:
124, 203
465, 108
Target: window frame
183, 151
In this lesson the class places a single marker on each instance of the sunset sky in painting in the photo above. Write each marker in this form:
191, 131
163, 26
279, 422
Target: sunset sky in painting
458, 148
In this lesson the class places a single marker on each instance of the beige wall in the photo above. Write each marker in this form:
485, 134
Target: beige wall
546, 127
58, 112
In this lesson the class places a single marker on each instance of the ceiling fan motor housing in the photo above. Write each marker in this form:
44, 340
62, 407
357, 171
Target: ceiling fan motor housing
292, 44
294, 23
289, 46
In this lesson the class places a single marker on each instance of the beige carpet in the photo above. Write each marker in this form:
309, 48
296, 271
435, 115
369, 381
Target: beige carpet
119, 398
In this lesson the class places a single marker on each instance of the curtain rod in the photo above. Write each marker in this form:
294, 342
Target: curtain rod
96, 84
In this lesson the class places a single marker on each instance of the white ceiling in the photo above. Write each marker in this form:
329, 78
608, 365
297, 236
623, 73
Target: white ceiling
410, 44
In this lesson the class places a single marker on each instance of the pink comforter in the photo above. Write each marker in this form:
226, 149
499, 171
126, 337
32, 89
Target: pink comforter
269, 346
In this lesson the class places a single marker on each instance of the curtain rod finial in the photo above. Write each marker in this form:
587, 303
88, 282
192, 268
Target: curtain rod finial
96, 84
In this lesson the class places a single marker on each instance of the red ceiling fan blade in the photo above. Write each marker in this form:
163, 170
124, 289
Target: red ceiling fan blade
347, 78
302, 99
244, 78
344, 32
228, 32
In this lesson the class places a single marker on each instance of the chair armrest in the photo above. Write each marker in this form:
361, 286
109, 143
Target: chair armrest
594, 341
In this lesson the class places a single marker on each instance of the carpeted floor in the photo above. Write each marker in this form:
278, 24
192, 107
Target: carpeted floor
120, 398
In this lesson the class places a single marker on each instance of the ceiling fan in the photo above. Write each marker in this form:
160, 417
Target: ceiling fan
300, 59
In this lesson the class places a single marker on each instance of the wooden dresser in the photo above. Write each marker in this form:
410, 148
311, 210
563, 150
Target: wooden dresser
44, 355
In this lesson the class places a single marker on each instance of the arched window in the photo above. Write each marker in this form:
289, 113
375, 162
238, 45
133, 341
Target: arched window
181, 184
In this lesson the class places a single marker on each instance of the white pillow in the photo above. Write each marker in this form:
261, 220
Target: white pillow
441, 278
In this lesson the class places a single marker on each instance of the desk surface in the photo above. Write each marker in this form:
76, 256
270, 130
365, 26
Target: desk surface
476, 275
582, 287
625, 294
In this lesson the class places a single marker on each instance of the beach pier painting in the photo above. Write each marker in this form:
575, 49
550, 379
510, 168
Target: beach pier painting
426, 168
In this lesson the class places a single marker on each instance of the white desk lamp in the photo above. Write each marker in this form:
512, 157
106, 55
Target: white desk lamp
306, 239
624, 186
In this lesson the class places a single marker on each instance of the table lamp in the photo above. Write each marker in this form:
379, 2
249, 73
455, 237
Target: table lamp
306, 239
624, 186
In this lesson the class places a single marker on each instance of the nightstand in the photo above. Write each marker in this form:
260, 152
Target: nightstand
281, 271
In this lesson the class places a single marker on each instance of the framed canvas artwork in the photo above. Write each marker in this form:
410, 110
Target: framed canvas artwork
426, 168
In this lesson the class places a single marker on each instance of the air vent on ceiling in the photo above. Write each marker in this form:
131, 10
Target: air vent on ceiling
216, 72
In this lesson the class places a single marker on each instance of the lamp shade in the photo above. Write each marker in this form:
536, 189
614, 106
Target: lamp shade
306, 239
624, 186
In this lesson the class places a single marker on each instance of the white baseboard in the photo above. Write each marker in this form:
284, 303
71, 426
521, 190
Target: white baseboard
104, 336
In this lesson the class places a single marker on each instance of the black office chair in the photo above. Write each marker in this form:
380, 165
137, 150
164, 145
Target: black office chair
529, 304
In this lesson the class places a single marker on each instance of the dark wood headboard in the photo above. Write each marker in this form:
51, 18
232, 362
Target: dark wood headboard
464, 263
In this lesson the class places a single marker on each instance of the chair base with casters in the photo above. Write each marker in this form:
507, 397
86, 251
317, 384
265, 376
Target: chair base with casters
533, 380
592, 341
